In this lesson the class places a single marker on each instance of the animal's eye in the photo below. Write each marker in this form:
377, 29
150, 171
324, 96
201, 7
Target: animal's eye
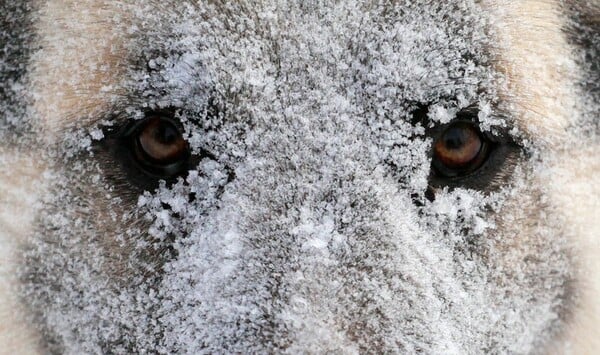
158, 146
459, 150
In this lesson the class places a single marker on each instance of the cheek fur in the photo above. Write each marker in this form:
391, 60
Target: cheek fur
20, 189
573, 188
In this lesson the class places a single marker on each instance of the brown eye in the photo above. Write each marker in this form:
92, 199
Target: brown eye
459, 150
159, 146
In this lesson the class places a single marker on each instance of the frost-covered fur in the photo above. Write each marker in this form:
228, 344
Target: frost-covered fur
309, 230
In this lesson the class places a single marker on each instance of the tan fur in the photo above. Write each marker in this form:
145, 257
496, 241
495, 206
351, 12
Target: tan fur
538, 64
574, 186
20, 187
63, 95
541, 74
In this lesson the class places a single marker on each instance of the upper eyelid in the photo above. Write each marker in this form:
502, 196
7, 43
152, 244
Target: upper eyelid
421, 111
500, 134
121, 119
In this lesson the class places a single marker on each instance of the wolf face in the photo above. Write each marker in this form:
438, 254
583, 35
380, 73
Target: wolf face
282, 176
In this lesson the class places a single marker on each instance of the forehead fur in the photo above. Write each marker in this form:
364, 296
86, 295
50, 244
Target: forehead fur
528, 44
103, 45
74, 82
533, 51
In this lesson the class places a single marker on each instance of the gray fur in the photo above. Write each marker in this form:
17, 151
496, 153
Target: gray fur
309, 229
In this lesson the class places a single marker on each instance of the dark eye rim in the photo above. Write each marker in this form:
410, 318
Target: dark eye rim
504, 153
115, 151
129, 138
488, 145
119, 143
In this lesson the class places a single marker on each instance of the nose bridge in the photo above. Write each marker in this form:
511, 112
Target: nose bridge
303, 189
302, 230
315, 151
321, 240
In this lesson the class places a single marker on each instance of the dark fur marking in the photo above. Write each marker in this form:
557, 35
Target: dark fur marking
583, 31
16, 37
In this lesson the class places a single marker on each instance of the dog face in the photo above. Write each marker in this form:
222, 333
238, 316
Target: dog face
201, 177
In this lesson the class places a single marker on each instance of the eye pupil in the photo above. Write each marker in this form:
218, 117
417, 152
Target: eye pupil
166, 134
455, 138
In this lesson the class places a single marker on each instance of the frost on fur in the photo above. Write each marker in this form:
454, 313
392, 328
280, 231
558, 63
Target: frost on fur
309, 229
